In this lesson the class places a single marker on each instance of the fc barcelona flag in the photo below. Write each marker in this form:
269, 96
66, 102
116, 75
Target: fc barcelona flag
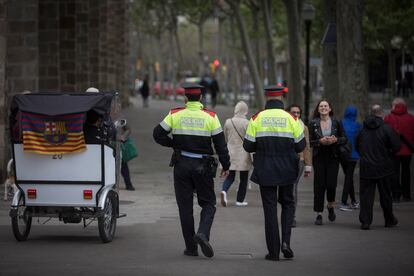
53, 134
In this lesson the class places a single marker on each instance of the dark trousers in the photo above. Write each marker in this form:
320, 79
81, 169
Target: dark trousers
241, 193
190, 174
326, 168
213, 99
270, 197
402, 177
295, 185
125, 174
367, 196
348, 167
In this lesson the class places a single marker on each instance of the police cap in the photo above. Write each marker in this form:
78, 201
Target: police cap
275, 90
192, 88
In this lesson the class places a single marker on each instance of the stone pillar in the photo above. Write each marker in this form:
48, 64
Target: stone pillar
22, 46
3, 113
93, 42
121, 51
67, 42
82, 43
19, 38
49, 61
103, 46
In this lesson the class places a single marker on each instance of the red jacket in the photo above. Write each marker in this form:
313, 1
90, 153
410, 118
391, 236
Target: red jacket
403, 123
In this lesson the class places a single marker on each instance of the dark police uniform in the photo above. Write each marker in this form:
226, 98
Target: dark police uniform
276, 138
193, 129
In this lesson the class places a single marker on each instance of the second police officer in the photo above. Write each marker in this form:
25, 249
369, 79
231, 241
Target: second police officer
276, 138
193, 129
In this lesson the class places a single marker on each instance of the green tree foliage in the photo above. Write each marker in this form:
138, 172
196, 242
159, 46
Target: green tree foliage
385, 20
150, 16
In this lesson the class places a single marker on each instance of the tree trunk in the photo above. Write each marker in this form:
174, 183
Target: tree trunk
271, 64
260, 100
235, 68
201, 49
178, 46
160, 60
295, 94
172, 66
256, 38
351, 63
219, 72
330, 59
391, 71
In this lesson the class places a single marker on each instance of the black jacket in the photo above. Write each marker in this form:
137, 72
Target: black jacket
275, 160
315, 133
376, 143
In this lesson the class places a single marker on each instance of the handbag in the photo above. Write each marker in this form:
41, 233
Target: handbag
344, 151
128, 150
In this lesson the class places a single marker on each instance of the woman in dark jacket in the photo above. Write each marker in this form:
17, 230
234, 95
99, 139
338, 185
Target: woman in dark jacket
325, 135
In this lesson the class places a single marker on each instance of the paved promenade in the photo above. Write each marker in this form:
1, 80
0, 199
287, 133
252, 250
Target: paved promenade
149, 242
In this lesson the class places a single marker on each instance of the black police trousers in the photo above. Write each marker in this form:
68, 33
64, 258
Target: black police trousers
367, 196
191, 175
270, 197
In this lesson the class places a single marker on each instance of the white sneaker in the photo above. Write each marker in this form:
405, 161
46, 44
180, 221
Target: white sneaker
223, 196
241, 204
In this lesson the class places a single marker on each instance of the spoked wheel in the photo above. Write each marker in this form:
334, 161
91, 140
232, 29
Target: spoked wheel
22, 222
107, 222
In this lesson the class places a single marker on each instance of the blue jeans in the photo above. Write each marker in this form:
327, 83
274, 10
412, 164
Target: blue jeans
241, 194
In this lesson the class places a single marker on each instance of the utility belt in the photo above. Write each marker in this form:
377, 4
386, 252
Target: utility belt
210, 163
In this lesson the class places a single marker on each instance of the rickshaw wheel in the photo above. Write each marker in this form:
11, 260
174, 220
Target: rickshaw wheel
22, 222
107, 222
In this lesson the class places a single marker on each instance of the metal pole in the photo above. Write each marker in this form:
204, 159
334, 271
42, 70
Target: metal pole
307, 89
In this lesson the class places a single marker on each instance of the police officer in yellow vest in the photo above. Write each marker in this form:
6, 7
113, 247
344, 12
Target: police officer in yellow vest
193, 129
276, 138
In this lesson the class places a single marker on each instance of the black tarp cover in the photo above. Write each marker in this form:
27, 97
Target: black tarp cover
53, 104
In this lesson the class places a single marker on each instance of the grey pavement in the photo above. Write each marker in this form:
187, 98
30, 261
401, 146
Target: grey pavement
149, 242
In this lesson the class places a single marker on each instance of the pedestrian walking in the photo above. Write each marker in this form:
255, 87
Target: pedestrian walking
376, 142
305, 160
194, 129
145, 92
351, 128
214, 90
325, 134
234, 132
275, 137
403, 123
128, 153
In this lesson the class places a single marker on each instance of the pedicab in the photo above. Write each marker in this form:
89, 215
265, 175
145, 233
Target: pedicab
66, 160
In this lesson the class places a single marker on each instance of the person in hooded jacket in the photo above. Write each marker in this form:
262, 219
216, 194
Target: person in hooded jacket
376, 144
351, 128
240, 160
403, 123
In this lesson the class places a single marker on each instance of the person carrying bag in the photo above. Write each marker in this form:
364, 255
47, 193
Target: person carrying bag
128, 152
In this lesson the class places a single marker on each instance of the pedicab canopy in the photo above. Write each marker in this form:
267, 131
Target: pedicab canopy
54, 123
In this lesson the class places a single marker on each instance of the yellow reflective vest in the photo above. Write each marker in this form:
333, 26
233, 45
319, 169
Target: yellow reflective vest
193, 130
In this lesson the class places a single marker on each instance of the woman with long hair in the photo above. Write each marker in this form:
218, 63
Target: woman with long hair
325, 134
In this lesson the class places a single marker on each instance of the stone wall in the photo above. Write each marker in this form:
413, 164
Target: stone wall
65, 45
3, 142
49, 51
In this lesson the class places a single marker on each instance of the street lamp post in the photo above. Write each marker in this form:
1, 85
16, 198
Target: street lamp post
308, 14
